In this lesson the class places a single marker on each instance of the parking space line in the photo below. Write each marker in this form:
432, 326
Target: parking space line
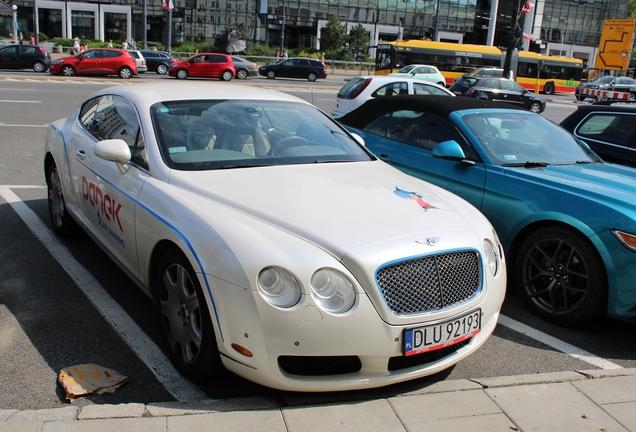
558, 344
158, 363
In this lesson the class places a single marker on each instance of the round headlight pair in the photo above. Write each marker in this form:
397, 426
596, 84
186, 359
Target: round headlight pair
332, 291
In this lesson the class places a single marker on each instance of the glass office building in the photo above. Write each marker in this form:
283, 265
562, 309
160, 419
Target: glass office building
566, 27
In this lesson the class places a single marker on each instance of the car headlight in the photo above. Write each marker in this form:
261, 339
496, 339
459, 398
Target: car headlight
56, 62
332, 291
491, 257
278, 287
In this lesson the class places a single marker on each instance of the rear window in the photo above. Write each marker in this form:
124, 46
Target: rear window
351, 88
466, 81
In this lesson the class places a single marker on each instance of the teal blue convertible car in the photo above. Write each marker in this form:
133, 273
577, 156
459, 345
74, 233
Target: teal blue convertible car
567, 220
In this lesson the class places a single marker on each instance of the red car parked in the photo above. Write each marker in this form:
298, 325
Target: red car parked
207, 65
98, 61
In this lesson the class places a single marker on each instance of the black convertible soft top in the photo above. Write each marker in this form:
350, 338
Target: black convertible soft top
440, 105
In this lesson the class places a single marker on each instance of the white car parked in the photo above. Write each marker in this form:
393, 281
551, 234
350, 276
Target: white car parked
142, 67
362, 88
423, 72
274, 244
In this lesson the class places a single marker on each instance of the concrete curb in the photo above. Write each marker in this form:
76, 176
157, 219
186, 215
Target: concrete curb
173, 409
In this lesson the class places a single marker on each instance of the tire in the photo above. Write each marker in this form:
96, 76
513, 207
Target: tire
271, 74
561, 276
312, 77
125, 73
63, 223
162, 69
181, 74
226, 75
548, 88
241, 74
535, 107
67, 71
39, 67
186, 326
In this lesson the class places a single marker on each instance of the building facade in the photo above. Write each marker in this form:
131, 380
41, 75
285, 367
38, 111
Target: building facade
561, 27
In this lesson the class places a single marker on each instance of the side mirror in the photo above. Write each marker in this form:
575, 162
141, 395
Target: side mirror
358, 138
451, 150
114, 150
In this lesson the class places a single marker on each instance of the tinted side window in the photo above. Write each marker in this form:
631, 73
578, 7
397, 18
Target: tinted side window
9, 50
615, 128
111, 54
116, 118
26, 49
422, 129
392, 89
87, 113
423, 89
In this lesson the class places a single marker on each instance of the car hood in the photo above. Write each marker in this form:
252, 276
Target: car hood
338, 206
602, 182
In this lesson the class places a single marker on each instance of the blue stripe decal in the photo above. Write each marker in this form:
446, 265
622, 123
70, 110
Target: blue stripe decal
177, 232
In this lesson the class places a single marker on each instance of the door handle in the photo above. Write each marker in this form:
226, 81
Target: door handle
385, 158
80, 154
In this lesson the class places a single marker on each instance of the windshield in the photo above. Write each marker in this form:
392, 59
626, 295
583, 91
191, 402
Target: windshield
222, 134
525, 139
407, 69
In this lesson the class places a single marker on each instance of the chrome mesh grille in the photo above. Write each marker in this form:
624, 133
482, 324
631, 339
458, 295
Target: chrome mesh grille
430, 283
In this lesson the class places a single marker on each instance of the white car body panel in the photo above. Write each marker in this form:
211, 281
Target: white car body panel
232, 223
346, 105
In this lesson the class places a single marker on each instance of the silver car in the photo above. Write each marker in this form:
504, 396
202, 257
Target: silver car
141, 61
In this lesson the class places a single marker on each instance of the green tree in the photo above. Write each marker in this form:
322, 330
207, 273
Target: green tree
358, 40
332, 37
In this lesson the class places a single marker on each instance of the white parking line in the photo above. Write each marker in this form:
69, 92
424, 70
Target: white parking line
23, 125
18, 101
557, 344
181, 388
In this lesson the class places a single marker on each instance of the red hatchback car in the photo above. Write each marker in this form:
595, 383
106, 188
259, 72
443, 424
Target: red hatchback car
206, 65
98, 61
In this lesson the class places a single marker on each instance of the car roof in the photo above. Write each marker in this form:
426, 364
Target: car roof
439, 105
392, 78
146, 94
609, 105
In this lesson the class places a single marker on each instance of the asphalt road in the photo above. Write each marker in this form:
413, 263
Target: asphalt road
48, 321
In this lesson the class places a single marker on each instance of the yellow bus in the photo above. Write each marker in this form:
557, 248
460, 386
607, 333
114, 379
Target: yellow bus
453, 60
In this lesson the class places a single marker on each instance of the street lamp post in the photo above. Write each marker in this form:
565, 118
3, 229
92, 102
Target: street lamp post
15, 22
282, 32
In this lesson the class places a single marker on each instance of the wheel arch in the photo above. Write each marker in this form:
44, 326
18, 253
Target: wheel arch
585, 232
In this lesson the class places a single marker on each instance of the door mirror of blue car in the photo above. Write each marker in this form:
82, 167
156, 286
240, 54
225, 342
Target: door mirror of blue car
451, 150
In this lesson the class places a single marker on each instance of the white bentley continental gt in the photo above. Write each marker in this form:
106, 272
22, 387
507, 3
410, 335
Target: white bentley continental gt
273, 243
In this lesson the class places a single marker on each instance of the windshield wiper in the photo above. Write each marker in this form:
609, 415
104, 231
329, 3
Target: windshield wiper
527, 164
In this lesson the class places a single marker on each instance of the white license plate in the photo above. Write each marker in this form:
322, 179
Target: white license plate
437, 336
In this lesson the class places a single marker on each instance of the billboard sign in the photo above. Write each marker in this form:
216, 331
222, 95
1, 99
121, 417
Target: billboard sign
616, 44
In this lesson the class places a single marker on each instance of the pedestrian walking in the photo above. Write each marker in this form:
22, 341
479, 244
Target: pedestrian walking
76, 45
125, 44
110, 43
32, 40
277, 55
21, 38
133, 45
286, 54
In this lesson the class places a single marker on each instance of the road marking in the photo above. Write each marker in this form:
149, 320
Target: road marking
23, 125
181, 388
18, 101
558, 344
14, 89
